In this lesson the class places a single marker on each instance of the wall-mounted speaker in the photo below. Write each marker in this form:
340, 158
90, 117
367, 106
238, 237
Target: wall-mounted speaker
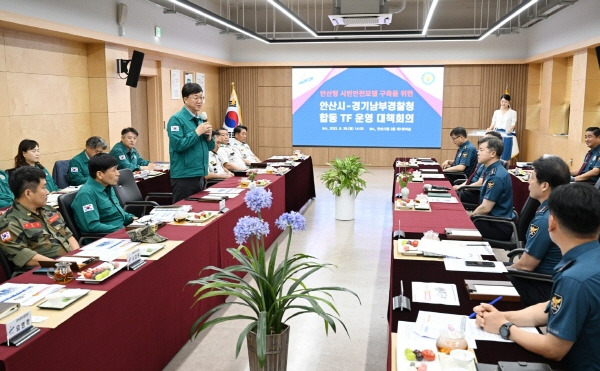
137, 58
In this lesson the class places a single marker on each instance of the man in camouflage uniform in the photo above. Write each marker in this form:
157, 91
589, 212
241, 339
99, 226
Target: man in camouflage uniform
31, 231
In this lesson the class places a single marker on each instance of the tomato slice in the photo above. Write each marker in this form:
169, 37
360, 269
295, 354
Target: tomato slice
428, 355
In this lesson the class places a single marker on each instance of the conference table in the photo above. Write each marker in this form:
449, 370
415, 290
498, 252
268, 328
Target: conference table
140, 319
410, 269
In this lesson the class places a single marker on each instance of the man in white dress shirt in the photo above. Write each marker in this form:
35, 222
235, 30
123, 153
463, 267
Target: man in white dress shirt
238, 141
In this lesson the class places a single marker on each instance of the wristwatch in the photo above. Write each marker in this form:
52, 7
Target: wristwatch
505, 330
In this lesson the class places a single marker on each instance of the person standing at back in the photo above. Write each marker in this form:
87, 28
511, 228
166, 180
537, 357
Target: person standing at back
190, 139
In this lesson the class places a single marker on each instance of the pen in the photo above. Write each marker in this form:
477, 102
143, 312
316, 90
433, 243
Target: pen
401, 295
473, 315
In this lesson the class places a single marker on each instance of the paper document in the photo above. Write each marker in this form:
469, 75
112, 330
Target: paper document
496, 290
433, 176
227, 191
442, 200
429, 324
454, 249
459, 265
26, 294
107, 249
166, 214
434, 293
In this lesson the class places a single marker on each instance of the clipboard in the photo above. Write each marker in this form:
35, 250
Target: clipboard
474, 295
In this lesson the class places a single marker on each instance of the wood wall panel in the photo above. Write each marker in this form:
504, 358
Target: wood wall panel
6, 152
320, 155
43, 55
98, 91
2, 51
341, 152
269, 96
461, 116
462, 75
4, 110
275, 116
275, 76
462, 96
274, 137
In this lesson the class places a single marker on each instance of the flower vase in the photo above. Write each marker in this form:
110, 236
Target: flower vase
405, 192
277, 351
252, 185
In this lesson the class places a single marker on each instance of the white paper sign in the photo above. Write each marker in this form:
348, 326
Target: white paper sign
18, 325
133, 257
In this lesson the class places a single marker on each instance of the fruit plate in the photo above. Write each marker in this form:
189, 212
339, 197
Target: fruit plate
63, 299
113, 271
200, 217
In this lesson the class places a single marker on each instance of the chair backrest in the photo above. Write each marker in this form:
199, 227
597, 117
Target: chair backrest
65, 209
527, 214
59, 173
504, 163
126, 188
597, 185
6, 268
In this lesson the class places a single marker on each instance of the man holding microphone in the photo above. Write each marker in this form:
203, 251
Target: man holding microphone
190, 139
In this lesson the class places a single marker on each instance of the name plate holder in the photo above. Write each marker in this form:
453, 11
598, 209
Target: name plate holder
19, 330
222, 208
134, 260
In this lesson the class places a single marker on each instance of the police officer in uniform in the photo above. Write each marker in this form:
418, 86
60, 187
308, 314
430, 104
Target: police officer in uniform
235, 161
126, 154
30, 230
590, 169
466, 155
495, 197
571, 315
6, 195
216, 162
78, 166
240, 133
541, 254
96, 207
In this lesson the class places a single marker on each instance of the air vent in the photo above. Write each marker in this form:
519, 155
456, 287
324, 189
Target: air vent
361, 20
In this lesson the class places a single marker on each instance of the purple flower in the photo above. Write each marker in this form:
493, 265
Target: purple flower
258, 198
293, 219
249, 226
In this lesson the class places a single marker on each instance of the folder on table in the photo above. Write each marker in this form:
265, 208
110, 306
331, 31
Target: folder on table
489, 290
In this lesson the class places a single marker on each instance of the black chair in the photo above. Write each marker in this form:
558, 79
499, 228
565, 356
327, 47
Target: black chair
130, 197
519, 225
6, 268
60, 173
597, 185
65, 209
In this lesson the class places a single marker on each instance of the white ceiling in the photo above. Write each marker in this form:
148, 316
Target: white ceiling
455, 19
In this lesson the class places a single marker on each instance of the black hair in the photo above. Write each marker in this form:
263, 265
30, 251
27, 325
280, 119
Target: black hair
95, 142
129, 130
460, 131
576, 207
505, 96
494, 134
594, 130
238, 129
24, 146
101, 162
493, 144
215, 133
190, 88
25, 177
552, 169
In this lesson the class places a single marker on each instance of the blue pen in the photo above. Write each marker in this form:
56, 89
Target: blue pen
473, 315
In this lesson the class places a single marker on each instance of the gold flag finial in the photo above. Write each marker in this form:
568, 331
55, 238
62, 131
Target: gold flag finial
506, 90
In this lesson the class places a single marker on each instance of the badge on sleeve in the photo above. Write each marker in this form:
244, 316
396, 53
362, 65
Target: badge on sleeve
174, 128
74, 170
5, 236
533, 230
490, 185
2, 177
464, 154
32, 225
122, 157
88, 207
556, 303
53, 218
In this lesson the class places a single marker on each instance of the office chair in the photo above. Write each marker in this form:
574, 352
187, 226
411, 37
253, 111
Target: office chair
519, 225
6, 268
59, 173
597, 185
65, 209
130, 197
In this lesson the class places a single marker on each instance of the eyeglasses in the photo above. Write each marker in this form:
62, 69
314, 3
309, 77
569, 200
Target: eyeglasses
454, 138
197, 98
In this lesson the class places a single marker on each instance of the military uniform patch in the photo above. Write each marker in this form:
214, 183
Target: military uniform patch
174, 128
53, 218
122, 157
464, 154
2, 177
88, 207
5, 236
74, 170
32, 225
556, 303
490, 185
533, 230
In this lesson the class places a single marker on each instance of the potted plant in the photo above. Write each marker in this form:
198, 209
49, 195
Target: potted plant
345, 182
276, 293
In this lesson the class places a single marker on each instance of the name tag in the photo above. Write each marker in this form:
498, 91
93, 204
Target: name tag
18, 325
32, 225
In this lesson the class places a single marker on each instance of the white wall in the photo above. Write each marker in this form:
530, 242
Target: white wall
576, 23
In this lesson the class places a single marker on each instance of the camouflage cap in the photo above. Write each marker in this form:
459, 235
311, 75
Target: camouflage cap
146, 234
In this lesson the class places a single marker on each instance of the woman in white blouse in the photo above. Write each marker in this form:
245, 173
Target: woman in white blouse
504, 119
